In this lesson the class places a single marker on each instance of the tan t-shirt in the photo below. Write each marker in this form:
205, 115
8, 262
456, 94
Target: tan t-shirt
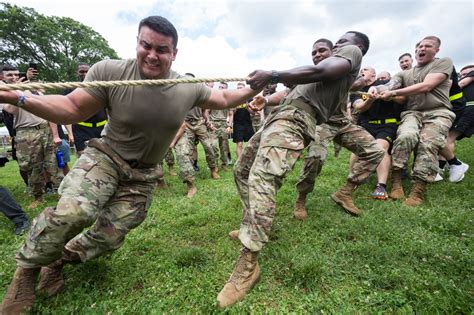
194, 114
436, 98
218, 114
27, 119
327, 96
142, 120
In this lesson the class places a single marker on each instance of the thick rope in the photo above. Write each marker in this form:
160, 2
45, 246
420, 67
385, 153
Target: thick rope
96, 84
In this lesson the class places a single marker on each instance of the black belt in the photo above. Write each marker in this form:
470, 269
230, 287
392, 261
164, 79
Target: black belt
384, 121
137, 164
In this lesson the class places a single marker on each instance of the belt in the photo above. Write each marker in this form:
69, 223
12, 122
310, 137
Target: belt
455, 96
37, 127
470, 103
93, 125
194, 121
301, 105
137, 164
384, 121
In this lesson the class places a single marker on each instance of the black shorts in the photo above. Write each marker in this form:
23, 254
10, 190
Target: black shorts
386, 132
242, 133
464, 122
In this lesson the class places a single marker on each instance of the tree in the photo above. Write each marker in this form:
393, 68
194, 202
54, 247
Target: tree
56, 44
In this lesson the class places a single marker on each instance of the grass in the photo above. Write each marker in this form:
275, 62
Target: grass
392, 259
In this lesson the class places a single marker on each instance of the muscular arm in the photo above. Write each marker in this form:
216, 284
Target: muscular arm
74, 107
465, 81
178, 135
431, 81
222, 99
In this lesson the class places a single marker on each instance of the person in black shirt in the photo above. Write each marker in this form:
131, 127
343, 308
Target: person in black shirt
242, 124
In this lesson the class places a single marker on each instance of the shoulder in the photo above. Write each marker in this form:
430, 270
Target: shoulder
351, 53
107, 69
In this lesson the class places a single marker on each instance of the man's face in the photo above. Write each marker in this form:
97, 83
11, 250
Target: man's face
426, 51
406, 63
222, 86
369, 74
346, 39
465, 72
11, 76
320, 52
155, 53
82, 71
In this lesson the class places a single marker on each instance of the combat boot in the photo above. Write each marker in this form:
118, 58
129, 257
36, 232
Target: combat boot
20, 295
245, 275
343, 197
214, 173
300, 212
397, 187
417, 194
234, 235
51, 276
192, 190
171, 170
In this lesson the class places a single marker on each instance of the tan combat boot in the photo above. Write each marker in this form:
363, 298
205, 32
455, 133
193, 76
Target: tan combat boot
234, 235
300, 212
20, 295
397, 187
171, 170
214, 173
192, 190
417, 194
245, 275
343, 197
51, 276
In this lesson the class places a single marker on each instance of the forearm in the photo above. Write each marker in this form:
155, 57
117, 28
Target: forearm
362, 106
465, 81
275, 98
178, 135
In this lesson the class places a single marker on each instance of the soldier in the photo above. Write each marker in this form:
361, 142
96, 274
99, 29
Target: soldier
425, 123
111, 185
318, 92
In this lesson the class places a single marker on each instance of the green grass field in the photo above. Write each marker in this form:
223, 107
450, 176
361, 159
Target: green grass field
392, 259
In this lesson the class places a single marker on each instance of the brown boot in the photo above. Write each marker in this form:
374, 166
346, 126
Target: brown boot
214, 173
171, 170
417, 194
51, 276
397, 188
36, 203
192, 190
234, 235
245, 275
343, 197
300, 212
20, 295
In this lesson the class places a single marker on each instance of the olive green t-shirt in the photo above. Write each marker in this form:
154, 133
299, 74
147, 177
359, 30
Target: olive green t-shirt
142, 120
194, 114
327, 96
436, 98
218, 114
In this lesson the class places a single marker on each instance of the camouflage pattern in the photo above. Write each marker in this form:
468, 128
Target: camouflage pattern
219, 140
169, 157
268, 157
256, 121
425, 132
186, 145
100, 189
36, 152
352, 137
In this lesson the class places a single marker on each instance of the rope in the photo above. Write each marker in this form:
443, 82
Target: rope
107, 84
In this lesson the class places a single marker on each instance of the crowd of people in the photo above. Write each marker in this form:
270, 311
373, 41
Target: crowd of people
121, 141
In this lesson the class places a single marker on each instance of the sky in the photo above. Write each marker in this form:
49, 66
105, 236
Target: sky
231, 38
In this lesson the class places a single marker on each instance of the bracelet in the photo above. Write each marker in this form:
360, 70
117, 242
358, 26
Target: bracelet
21, 100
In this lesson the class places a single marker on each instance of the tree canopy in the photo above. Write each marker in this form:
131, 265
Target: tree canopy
56, 44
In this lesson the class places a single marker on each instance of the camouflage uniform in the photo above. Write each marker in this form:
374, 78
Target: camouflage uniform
169, 157
425, 132
100, 188
186, 145
256, 121
36, 152
220, 140
352, 137
258, 175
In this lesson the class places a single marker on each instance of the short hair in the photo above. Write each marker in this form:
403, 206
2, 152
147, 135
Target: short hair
160, 25
362, 39
467, 67
189, 74
326, 41
82, 64
405, 54
436, 39
9, 67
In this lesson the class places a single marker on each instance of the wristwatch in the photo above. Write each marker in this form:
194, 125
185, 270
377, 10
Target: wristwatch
275, 77
21, 101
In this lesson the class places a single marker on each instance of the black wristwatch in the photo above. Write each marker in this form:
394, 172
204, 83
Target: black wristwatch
275, 77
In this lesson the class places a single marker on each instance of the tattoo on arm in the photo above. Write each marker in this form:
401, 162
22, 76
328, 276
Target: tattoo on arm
392, 85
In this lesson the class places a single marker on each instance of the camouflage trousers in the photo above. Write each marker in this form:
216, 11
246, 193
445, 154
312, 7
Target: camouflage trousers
100, 190
219, 140
268, 157
185, 148
36, 153
256, 122
352, 137
169, 158
425, 132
